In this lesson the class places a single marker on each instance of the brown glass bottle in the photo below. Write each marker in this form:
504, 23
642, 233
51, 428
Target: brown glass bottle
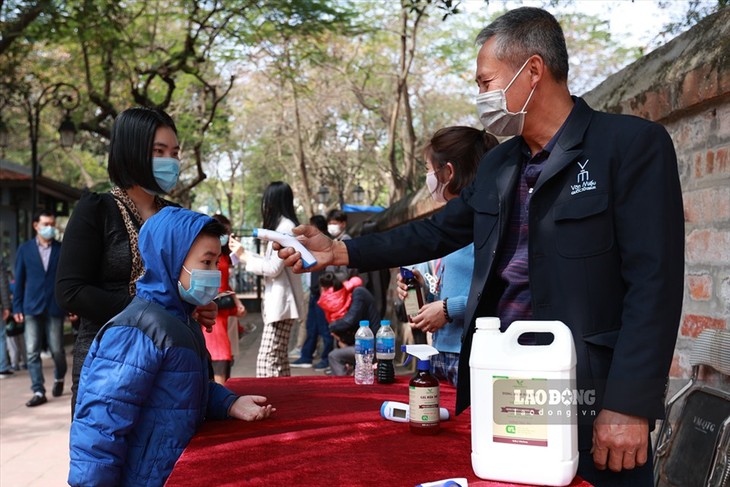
414, 298
423, 401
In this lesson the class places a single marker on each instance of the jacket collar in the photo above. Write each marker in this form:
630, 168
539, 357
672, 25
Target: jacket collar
567, 148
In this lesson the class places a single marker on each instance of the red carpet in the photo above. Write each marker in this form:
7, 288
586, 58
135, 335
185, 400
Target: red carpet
327, 431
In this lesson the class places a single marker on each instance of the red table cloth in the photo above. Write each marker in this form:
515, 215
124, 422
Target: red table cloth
327, 431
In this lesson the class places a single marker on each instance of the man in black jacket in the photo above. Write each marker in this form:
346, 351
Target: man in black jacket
577, 218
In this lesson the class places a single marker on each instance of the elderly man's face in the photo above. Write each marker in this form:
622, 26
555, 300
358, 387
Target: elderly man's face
493, 74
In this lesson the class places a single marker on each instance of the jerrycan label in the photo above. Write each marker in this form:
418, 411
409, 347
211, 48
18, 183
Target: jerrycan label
423, 403
516, 421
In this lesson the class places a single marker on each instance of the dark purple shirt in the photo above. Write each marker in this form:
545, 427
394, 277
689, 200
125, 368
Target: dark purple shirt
516, 300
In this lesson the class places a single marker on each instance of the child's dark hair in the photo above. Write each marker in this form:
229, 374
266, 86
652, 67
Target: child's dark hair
213, 228
328, 279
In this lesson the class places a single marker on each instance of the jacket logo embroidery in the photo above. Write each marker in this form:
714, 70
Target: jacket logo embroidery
583, 181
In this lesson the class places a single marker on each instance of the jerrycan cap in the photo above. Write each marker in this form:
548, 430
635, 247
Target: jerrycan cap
488, 323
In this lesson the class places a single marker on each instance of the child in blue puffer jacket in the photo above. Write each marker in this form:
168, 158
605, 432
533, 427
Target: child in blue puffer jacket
145, 385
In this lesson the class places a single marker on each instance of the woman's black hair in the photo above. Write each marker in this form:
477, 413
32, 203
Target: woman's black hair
130, 148
225, 249
277, 202
463, 147
329, 279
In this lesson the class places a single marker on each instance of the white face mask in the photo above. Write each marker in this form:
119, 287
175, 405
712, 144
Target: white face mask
435, 188
334, 229
492, 110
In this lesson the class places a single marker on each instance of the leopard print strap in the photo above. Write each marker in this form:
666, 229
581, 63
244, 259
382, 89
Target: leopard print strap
132, 222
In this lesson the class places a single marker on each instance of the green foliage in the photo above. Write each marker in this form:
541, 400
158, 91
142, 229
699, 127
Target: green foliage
262, 90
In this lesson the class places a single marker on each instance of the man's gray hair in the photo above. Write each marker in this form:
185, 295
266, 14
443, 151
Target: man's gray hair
525, 31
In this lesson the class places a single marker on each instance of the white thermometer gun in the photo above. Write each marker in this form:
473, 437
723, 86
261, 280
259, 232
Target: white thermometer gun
286, 241
398, 411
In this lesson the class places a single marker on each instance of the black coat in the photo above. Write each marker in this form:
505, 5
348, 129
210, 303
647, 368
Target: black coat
606, 252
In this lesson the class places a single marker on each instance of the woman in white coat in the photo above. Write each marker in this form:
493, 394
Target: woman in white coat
283, 294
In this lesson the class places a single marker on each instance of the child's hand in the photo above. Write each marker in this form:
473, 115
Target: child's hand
402, 289
248, 408
430, 317
205, 315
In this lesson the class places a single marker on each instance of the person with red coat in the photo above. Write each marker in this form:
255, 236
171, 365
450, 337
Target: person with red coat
217, 342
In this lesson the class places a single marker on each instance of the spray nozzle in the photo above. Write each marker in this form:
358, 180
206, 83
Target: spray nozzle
422, 353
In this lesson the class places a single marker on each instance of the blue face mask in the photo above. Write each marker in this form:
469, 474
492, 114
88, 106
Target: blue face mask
166, 171
47, 232
224, 240
203, 286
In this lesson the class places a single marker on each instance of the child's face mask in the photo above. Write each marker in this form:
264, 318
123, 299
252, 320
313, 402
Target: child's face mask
203, 288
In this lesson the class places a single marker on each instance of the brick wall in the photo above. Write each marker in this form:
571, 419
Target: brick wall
685, 85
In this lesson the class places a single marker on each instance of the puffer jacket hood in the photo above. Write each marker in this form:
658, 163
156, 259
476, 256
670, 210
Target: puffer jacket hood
164, 242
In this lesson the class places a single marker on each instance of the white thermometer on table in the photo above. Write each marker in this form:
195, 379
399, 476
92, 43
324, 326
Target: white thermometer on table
285, 240
398, 411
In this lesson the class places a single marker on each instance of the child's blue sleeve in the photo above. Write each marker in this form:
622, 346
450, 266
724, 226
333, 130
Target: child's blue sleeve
117, 376
220, 400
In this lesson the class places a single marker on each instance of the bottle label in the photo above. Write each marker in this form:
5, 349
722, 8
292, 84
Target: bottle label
364, 345
411, 302
423, 404
518, 418
385, 348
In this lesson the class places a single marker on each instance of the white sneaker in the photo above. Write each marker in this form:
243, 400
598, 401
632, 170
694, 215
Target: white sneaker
299, 364
295, 352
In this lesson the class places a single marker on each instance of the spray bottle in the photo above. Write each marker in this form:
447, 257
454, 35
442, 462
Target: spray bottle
423, 392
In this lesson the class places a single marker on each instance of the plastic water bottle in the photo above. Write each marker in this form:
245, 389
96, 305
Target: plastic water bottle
364, 348
385, 352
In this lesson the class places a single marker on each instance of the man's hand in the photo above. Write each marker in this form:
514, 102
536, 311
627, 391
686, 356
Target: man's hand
324, 249
18, 317
249, 408
205, 315
620, 441
430, 317
6, 314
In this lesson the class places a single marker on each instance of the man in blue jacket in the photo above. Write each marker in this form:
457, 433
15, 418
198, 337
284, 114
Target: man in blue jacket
146, 384
577, 218
35, 303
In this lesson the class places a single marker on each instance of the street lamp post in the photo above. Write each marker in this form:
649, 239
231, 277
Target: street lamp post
358, 194
61, 95
323, 194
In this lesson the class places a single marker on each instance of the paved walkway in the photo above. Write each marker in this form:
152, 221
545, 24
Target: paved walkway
34, 441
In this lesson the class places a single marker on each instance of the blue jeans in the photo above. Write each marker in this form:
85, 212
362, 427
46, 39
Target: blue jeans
36, 327
4, 366
316, 326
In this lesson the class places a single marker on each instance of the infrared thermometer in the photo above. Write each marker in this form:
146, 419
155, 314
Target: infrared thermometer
285, 240
397, 411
